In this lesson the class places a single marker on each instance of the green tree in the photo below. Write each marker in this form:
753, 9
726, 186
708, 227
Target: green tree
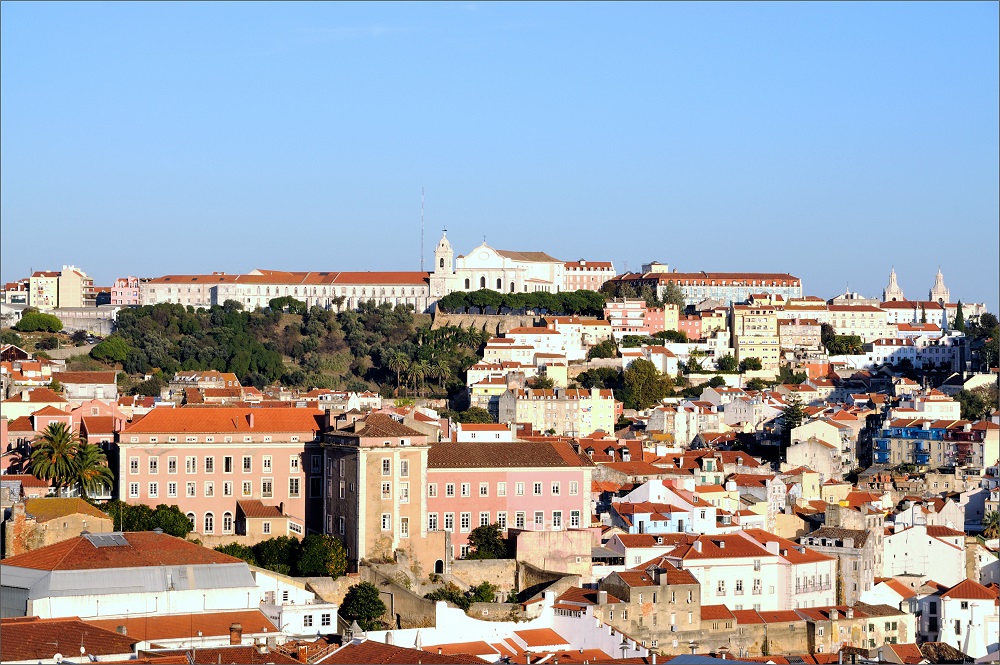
487, 542
976, 404
959, 318
727, 363
678, 336
484, 592
91, 470
923, 314
322, 555
605, 349
48, 342
11, 337
643, 385
113, 349
991, 524
239, 551
672, 295
475, 414
54, 455
716, 382
750, 365
399, 363
278, 554
989, 354
791, 417
32, 321
362, 604
634, 341
541, 382
756, 383
171, 520
452, 594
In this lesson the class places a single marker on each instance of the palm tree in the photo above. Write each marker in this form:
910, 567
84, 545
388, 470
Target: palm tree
398, 363
418, 370
991, 524
92, 472
440, 369
55, 455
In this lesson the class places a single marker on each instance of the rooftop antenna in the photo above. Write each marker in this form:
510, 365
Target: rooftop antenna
421, 229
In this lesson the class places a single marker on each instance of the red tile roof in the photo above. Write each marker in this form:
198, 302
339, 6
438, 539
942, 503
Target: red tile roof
541, 637
145, 548
715, 613
255, 508
50, 508
153, 627
224, 420
500, 454
38, 395
721, 546
85, 377
34, 639
245, 655
970, 590
371, 652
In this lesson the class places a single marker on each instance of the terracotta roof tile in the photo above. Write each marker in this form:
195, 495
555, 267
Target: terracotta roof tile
245, 655
34, 639
371, 652
228, 420
85, 377
51, 508
541, 637
971, 590
38, 395
255, 508
501, 454
154, 627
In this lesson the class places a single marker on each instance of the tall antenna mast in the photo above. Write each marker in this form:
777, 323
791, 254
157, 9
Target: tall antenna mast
421, 229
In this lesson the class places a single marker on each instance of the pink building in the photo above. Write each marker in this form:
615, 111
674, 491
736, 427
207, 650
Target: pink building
533, 486
125, 291
589, 275
631, 316
690, 325
205, 460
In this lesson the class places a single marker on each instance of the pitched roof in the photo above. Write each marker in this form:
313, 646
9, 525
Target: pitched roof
245, 655
967, 589
376, 425
226, 420
143, 548
152, 627
85, 377
715, 612
370, 652
504, 454
38, 395
721, 546
51, 508
788, 549
254, 508
35, 639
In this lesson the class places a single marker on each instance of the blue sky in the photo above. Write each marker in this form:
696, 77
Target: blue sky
830, 141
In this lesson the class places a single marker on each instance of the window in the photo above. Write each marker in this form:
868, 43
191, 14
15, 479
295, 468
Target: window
209, 465
519, 520
266, 488
466, 522
466, 489
341, 523
484, 489
386, 521
171, 465
502, 521
404, 527
756, 565
293, 488
484, 519
432, 490
227, 464
227, 522
266, 527
574, 519
501, 489
266, 464
449, 489
739, 588
539, 519
449, 521
404, 468
432, 522
574, 488
133, 465
555, 489
247, 464
154, 490
191, 490
316, 487
307, 620
209, 523
324, 619
386, 466
190, 464
965, 604
316, 464
386, 491
404, 492
721, 589
154, 464
227, 488
192, 520
519, 489
247, 488
209, 488
538, 489
556, 519
172, 490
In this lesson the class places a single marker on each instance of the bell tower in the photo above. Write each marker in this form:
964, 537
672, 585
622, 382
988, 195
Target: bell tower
892, 291
444, 267
939, 292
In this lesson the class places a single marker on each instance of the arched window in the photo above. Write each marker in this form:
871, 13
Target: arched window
209, 523
191, 519
499, 284
441, 263
482, 282
227, 522
512, 287
466, 284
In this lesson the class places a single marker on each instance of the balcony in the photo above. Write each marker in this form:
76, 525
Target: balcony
923, 459
882, 445
922, 447
881, 457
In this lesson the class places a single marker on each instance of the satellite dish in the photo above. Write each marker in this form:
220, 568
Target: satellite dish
58, 657
83, 649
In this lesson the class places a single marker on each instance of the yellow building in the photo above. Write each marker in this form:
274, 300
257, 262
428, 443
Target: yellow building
43, 289
70, 287
755, 334
562, 412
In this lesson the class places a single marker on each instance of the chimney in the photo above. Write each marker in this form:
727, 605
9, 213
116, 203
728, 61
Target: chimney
121, 630
654, 658
281, 507
772, 546
250, 419
696, 545
602, 597
834, 615
849, 613
24, 395
236, 634
721, 544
